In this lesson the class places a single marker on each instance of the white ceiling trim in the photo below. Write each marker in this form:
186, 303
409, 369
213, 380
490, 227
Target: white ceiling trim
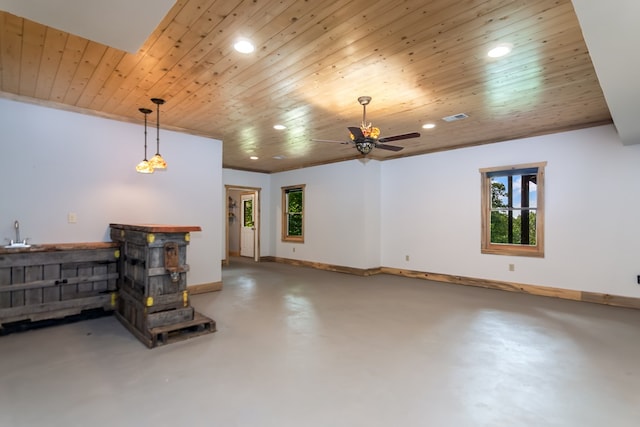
121, 24
611, 32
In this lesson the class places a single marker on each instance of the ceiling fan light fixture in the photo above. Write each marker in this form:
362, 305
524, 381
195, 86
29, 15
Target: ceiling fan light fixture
366, 137
364, 147
368, 131
364, 100
371, 132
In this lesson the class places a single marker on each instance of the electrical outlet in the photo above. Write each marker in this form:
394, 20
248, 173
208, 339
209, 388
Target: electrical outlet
512, 267
72, 218
638, 279
406, 257
294, 249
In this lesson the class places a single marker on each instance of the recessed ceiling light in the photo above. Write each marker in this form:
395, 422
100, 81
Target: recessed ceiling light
500, 50
279, 157
254, 157
428, 126
279, 127
244, 46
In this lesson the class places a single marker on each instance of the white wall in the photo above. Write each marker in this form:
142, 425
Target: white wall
428, 207
341, 214
591, 232
360, 215
53, 162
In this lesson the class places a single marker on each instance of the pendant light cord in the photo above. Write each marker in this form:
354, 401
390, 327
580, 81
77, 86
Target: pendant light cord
145, 111
158, 129
158, 102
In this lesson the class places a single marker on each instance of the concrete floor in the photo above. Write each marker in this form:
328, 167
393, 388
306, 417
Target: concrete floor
302, 347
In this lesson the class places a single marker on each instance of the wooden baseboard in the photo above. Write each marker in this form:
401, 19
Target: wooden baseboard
583, 296
618, 301
204, 288
485, 283
328, 267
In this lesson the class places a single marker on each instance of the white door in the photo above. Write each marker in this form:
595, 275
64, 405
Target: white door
247, 225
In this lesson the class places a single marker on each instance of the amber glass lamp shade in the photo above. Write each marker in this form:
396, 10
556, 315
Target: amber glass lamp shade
157, 162
144, 167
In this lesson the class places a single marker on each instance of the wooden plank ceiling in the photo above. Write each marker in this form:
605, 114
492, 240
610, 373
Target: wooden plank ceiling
419, 60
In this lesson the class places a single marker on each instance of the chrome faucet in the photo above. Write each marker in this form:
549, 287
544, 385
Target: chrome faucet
16, 225
17, 243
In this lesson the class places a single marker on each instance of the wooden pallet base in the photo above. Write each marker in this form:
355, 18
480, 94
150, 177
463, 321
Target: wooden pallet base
199, 325
154, 337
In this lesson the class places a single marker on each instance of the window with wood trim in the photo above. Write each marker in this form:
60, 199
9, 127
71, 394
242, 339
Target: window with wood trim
293, 213
513, 210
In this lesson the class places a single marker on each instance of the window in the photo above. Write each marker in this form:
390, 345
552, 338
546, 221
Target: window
513, 210
247, 209
293, 213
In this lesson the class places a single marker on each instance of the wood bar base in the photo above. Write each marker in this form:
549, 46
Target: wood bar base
153, 300
199, 325
56, 281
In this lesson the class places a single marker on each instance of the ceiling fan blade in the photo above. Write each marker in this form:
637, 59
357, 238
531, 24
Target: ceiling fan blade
399, 137
356, 132
331, 140
389, 147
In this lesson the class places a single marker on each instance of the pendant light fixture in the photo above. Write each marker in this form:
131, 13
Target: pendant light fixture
144, 166
157, 162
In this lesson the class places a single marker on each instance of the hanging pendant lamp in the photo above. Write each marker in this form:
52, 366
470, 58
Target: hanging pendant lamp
144, 166
157, 162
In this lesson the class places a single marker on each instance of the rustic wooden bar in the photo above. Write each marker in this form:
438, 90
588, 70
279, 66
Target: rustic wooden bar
153, 298
53, 281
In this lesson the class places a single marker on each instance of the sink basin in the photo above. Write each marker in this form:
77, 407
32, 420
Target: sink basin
17, 245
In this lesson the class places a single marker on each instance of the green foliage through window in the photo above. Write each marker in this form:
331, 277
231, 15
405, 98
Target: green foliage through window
513, 210
293, 213
248, 213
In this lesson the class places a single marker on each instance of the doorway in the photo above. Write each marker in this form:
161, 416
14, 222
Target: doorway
247, 225
242, 228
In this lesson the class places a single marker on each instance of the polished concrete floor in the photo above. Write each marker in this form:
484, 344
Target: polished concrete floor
303, 347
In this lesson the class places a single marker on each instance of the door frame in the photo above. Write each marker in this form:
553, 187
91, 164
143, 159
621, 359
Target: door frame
256, 209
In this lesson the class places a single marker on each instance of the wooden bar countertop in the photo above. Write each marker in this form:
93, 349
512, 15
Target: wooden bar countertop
157, 228
52, 247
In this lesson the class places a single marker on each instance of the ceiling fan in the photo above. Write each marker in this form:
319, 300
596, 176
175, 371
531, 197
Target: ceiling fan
365, 137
